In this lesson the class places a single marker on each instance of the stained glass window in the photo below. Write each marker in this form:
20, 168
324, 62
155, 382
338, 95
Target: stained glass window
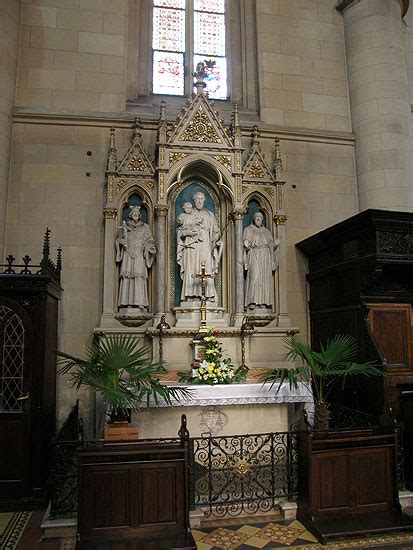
185, 30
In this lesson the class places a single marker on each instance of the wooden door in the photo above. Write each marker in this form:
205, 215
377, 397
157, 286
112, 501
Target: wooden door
15, 399
391, 325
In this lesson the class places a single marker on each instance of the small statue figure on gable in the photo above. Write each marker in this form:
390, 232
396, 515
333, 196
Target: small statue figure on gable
135, 250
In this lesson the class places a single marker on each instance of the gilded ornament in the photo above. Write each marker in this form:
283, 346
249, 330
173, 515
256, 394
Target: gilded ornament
255, 171
238, 183
110, 188
242, 466
280, 198
224, 159
162, 157
174, 157
121, 183
238, 161
161, 185
136, 164
161, 209
110, 213
148, 183
270, 191
280, 220
200, 129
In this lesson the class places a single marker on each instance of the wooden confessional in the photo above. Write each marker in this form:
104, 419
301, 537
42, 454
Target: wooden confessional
361, 283
29, 296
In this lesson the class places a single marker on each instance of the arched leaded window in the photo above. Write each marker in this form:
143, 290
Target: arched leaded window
186, 32
11, 360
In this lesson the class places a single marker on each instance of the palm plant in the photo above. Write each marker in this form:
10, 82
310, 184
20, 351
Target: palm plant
121, 371
321, 370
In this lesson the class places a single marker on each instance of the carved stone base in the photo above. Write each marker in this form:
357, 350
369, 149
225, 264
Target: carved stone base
136, 319
189, 317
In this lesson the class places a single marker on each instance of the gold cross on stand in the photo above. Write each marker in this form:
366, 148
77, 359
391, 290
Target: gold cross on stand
203, 276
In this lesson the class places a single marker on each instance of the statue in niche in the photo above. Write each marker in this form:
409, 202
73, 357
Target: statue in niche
198, 239
135, 249
260, 261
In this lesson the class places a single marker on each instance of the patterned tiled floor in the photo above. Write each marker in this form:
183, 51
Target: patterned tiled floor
249, 537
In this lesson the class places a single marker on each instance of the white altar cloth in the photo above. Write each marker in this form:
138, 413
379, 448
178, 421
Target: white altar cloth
239, 394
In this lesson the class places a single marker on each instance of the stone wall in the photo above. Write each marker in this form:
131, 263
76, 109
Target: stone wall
302, 67
73, 55
9, 40
71, 89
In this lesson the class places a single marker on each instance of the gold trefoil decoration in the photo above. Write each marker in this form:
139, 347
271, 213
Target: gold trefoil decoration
255, 171
136, 164
200, 129
174, 157
224, 159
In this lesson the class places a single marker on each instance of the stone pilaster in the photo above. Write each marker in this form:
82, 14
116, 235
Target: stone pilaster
380, 104
109, 267
239, 267
161, 212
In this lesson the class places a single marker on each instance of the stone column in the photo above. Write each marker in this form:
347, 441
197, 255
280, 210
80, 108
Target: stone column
239, 267
380, 104
161, 211
9, 49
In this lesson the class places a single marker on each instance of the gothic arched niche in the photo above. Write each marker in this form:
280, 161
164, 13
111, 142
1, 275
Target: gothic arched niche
199, 177
135, 199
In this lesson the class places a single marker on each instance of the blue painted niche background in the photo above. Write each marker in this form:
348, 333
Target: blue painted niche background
253, 206
135, 200
186, 195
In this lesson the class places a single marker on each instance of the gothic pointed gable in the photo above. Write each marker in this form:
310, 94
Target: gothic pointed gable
136, 162
199, 124
256, 170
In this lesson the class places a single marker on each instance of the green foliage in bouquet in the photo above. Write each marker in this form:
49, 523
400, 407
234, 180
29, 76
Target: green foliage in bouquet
212, 368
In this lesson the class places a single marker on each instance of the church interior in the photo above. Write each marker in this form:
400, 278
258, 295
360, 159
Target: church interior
188, 190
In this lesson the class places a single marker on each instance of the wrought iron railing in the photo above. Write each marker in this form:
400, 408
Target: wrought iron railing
238, 474
62, 483
229, 475
345, 418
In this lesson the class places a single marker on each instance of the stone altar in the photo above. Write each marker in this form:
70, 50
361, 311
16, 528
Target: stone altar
227, 409
209, 182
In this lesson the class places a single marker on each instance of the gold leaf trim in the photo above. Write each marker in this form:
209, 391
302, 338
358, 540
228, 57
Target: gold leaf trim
174, 157
200, 129
136, 164
225, 160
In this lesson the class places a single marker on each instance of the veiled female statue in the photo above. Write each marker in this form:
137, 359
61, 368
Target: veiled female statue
135, 250
198, 239
260, 261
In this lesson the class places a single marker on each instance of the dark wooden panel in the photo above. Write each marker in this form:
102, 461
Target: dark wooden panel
391, 328
333, 490
372, 478
135, 489
111, 498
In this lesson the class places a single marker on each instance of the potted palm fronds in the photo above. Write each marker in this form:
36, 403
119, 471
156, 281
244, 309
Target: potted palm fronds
120, 369
321, 370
